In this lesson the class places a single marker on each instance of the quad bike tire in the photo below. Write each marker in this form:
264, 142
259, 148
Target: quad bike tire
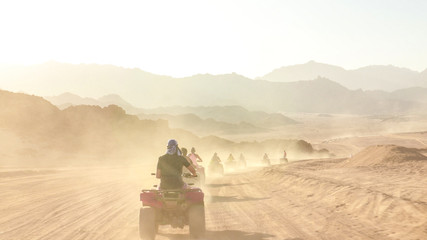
147, 223
196, 221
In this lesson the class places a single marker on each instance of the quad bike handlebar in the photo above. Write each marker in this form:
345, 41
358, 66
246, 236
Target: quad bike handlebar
189, 175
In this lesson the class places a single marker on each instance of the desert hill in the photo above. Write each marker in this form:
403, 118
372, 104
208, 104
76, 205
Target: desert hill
307, 71
376, 77
48, 134
146, 90
204, 127
67, 99
44, 135
418, 94
229, 114
424, 74
26, 114
385, 155
201, 120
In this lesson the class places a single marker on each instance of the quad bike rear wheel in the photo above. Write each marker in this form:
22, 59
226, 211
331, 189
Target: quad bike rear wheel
196, 220
147, 223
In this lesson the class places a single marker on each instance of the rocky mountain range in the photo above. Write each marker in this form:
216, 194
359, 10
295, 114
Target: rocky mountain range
34, 132
145, 90
375, 77
215, 120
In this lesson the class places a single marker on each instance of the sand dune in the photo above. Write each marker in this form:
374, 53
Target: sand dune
386, 155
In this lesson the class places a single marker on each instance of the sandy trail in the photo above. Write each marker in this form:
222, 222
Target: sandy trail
304, 200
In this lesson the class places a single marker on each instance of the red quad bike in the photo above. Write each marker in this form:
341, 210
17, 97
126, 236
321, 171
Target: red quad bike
174, 207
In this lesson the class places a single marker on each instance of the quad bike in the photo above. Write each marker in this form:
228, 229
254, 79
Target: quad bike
266, 162
241, 163
202, 175
216, 168
283, 160
198, 181
174, 207
231, 165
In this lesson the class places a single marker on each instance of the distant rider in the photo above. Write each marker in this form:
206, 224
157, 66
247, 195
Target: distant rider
215, 159
266, 158
230, 158
184, 154
195, 157
169, 167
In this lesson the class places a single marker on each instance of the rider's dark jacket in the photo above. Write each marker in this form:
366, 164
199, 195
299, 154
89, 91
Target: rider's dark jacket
171, 171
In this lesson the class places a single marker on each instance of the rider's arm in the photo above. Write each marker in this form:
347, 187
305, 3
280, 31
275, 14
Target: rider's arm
192, 170
189, 166
199, 158
159, 172
188, 160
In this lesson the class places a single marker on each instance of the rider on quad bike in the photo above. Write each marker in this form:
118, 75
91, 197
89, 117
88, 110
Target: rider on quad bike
173, 203
230, 158
242, 161
215, 158
169, 167
266, 160
231, 163
215, 165
200, 180
195, 157
184, 154
284, 159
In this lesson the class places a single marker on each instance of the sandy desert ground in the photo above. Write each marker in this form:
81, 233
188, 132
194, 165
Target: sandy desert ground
380, 193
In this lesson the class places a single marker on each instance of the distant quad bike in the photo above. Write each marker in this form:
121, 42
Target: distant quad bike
266, 162
216, 168
241, 163
284, 160
231, 165
176, 207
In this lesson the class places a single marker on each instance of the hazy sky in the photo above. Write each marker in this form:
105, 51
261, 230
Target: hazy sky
181, 38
